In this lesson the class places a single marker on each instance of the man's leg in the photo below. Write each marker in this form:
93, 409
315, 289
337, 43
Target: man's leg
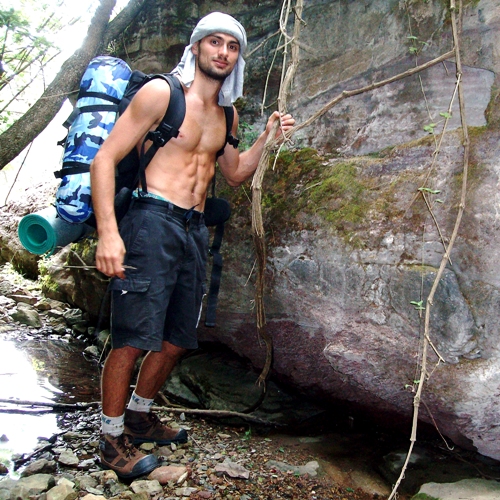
116, 377
155, 369
116, 449
143, 425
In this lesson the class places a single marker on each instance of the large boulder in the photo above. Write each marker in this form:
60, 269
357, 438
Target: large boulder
352, 254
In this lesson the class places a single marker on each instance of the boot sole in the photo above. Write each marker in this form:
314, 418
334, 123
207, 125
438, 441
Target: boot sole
180, 438
144, 466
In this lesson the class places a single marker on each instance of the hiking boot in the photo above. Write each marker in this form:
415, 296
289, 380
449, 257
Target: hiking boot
145, 427
119, 454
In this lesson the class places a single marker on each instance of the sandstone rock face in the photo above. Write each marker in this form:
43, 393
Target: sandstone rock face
343, 307
344, 46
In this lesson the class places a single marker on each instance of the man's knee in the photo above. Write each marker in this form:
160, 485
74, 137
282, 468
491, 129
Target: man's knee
124, 355
172, 351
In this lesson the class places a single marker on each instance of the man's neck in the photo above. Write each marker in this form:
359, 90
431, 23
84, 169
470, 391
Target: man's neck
206, 89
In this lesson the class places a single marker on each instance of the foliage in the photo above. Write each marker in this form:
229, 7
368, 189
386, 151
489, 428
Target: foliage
247, 135
26, 47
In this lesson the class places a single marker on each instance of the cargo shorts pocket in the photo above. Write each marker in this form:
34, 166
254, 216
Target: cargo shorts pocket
130, 305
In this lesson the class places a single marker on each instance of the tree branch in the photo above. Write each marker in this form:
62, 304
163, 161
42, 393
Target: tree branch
118, 25
24, 130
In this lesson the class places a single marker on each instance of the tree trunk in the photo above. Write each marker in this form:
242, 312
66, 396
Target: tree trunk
118, 25
24, 130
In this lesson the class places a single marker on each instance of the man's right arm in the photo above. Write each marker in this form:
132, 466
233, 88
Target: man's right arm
146, 109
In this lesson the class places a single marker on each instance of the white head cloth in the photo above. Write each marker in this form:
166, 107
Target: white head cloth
216, 22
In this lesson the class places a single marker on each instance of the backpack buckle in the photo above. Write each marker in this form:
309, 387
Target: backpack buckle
233, 141
162, 134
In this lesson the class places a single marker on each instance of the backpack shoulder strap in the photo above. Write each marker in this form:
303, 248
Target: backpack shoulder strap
168, 127
230, 139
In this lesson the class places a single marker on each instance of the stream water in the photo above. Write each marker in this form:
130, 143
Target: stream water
39, 370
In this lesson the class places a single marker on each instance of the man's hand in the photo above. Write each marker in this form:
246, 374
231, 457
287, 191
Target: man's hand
110, 254
287, 123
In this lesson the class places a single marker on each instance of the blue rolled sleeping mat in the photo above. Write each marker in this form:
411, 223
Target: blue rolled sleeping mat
102, 87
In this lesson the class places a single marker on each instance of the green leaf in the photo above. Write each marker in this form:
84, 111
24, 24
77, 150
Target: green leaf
430, 128
428, 190
412, 37
445, 115
419, 306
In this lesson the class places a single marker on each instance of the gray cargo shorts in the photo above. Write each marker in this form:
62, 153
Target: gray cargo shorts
161, 299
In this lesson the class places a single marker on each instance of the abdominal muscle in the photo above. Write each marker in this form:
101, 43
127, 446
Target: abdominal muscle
179, 177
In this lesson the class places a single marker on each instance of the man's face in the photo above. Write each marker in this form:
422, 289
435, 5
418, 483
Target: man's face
216, 55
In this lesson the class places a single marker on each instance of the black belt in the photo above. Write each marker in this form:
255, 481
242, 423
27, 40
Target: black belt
188, 214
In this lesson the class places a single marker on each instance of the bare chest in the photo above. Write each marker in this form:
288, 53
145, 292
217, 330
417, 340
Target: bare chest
203, 131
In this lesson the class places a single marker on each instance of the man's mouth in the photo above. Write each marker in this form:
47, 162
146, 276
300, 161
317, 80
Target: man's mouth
220, 63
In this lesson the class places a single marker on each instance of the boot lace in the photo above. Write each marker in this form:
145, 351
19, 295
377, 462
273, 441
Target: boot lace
125, 445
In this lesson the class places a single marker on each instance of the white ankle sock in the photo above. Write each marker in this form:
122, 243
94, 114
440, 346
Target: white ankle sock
112, 425
138, 403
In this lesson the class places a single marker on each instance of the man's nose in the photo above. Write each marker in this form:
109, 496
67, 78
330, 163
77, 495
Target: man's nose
223, 50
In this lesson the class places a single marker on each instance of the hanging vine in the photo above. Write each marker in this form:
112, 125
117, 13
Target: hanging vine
257, 222
447, 250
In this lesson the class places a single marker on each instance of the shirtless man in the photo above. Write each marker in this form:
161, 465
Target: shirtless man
156, 303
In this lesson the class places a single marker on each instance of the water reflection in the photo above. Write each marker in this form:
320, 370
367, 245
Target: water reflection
39, 371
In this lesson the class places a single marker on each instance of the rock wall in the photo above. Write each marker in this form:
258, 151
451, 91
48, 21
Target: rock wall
342, 302
345, 45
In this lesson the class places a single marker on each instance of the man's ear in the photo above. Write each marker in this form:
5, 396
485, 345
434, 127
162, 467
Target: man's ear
194, 48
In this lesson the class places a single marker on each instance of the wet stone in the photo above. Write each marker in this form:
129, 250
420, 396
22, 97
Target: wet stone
73, 316
73, 436
43, 305
58, 325
25, 299
147, 446
168, 473
185, 492
55, 313
310, 468
92, 351
27, 316
59, 492
143, 486
69, 458
37, 483
39, 466
80, 327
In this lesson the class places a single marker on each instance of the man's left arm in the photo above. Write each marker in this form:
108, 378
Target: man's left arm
237, 167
